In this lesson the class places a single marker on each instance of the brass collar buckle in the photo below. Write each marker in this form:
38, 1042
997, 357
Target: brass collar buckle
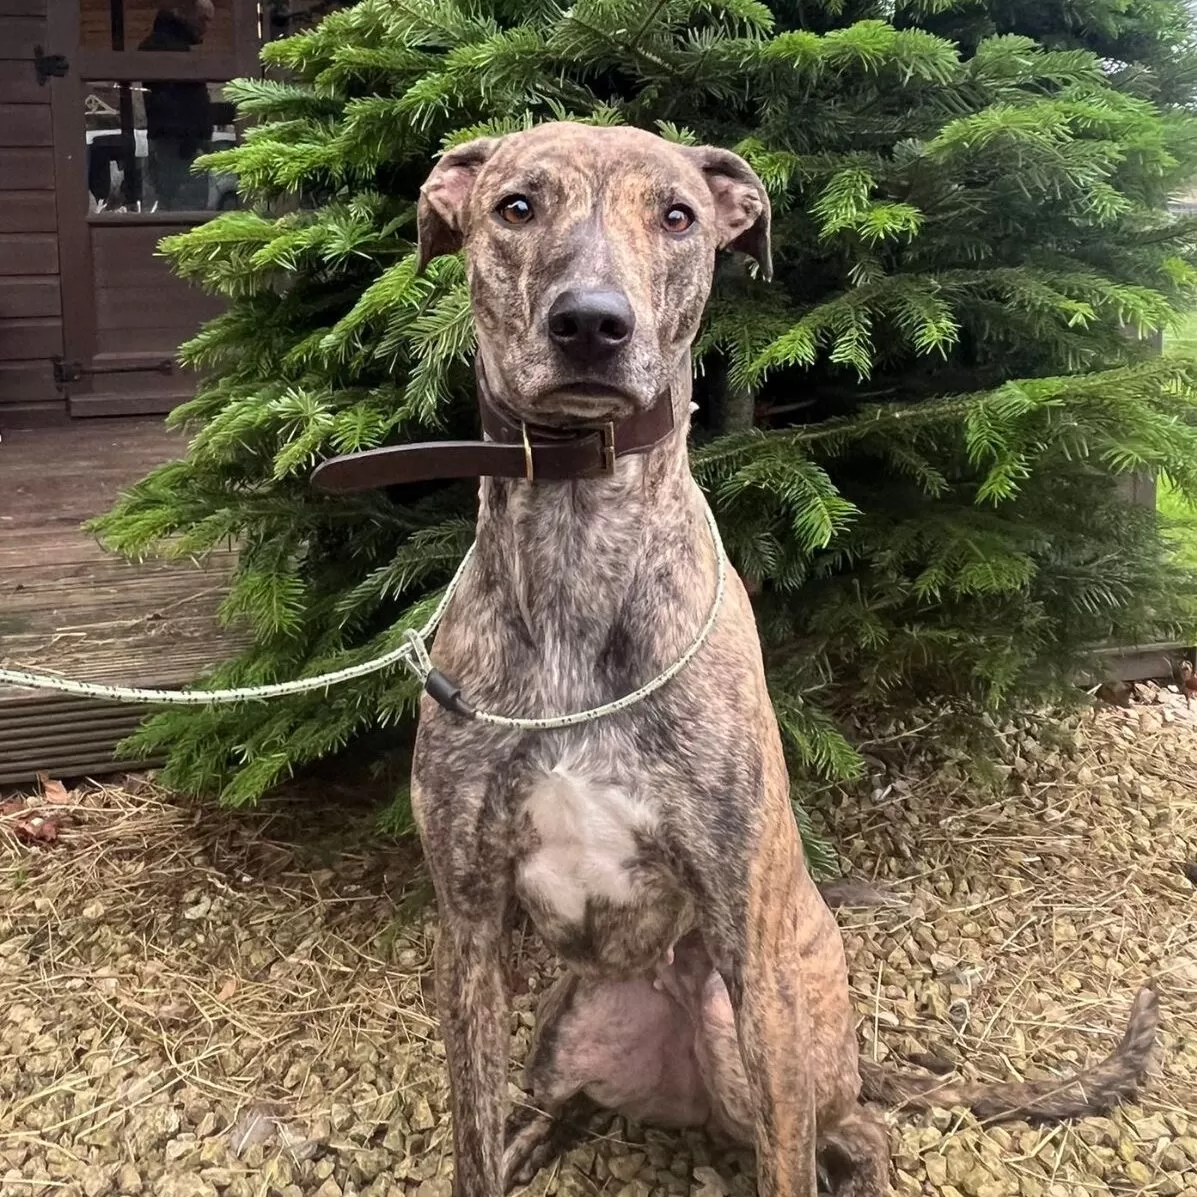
607, 433
529, 471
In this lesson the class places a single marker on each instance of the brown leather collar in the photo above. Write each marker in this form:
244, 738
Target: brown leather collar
513, 450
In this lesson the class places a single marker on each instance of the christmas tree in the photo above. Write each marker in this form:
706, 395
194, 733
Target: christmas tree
912, 438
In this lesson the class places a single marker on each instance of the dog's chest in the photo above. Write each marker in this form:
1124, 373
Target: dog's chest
594, 875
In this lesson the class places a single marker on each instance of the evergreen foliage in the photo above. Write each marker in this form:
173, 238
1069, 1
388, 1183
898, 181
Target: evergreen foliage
912, 438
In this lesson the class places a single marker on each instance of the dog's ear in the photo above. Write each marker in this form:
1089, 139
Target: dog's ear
741, 203
443, 198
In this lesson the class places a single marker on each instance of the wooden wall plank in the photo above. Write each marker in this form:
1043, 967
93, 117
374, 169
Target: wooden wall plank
25, 125
136, 265
132, 264
125, 341
21, 340
141, 383
113, 244
123, 403
24, 254
178, 307
18, 83
27, 212
27, 382
148, 274
19, 35
24, 8
37, 296
27, 170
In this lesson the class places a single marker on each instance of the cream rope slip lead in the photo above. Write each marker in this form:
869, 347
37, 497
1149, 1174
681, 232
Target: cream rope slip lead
414, 654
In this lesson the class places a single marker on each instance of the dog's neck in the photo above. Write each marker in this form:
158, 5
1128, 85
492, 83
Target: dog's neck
568, 554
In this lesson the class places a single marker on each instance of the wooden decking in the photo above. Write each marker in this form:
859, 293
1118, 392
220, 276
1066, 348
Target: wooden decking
68, 607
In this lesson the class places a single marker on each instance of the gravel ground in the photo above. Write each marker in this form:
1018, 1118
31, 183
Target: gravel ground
195, 1003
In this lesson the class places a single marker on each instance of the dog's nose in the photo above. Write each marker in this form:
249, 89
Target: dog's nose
588, 325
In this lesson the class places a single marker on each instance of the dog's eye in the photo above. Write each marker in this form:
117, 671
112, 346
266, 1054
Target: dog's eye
515, 209
677, 219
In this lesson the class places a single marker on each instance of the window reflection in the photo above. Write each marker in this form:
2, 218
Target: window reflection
127, 24
158, 25
281, 18
142, 140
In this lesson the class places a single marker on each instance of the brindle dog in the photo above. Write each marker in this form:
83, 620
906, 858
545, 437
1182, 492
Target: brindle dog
656, 850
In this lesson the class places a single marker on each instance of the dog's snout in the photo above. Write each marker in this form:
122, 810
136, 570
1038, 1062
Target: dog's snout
588, 325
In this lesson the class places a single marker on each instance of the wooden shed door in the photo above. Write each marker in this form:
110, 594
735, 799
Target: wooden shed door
137, 95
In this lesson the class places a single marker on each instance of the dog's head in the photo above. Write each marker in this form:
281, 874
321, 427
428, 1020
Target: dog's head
590, 253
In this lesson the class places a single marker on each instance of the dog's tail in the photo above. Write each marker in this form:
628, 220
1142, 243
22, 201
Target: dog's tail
1089, 1091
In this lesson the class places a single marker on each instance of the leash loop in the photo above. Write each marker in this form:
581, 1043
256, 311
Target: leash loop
418, 660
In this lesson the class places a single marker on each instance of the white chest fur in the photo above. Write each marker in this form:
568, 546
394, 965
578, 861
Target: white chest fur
586, 837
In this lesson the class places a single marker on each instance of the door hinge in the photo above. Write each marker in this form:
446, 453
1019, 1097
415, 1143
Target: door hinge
67, 372
47, 65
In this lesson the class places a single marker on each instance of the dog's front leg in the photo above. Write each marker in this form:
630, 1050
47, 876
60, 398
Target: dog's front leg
773, 1025
472, 1000
774, 1033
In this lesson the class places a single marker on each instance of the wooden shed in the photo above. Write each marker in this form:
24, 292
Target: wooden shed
103, 105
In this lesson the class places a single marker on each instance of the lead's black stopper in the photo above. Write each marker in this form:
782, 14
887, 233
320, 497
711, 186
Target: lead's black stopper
448, 693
